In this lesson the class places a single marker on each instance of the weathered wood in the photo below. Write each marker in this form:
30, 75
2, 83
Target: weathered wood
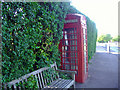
14, 86
66, 71
54, 82
42, 81
45, 83
23, 85
56, 68
61, 83
39, 81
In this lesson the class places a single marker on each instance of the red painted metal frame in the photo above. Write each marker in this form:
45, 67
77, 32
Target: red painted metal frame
81, 76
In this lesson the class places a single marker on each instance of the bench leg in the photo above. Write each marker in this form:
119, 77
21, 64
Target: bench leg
74, 86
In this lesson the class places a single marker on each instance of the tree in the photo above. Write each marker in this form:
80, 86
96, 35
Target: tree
107, 37
104, 38
116, 39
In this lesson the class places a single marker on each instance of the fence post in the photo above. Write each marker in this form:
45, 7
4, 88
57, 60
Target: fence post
108, 47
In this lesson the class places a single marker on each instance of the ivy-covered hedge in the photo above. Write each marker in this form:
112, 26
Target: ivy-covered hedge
92, 37
31, 33
30, 36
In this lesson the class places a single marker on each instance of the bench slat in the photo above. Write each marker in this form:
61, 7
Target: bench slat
42, 80
39, 81
61, 83
54, 82
45, 82
14, 86
56, 68
70, 84
66, 83
23, 85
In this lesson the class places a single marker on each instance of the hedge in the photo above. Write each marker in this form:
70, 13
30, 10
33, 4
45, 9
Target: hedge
92, 38
30, 36
31, 33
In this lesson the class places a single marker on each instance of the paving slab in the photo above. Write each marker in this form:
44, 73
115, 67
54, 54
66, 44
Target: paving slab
102, 72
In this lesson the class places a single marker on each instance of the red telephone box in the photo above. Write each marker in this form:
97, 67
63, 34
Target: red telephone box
73, 46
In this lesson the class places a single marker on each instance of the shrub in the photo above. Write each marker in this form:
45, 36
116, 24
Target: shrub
30, 36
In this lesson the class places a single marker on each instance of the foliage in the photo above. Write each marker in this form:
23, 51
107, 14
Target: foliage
30, 83
104, 38
91, 37
114, 39
117, 39
30, 36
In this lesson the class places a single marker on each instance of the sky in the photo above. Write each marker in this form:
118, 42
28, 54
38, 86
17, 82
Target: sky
103, 12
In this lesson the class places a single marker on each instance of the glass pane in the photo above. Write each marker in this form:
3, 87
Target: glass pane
73, 67
66, 54
76, 67
75, 42
67, 60
67, 66
72, 54
69, 30
84, 53
65, 32
65, 36
63, 66
63, 55
66, 48
75, 30
72, 42
84, 37
71, 36
83, 31
72, 31
84, 48
76, 48
75, 36
62, 48
84, 42
72, 60
76, 54
66, 42
63, 60
72, 48
76, 61
62, 42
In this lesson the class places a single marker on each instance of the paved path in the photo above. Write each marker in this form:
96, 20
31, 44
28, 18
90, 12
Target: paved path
103, 71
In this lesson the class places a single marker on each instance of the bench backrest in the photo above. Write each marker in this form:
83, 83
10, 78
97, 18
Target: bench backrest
40, 76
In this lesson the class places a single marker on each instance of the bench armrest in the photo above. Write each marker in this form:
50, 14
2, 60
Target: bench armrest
66, 71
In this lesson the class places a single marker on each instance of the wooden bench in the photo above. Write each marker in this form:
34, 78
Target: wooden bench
51, 81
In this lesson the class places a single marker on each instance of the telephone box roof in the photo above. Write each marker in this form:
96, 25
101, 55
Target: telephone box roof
75, 14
